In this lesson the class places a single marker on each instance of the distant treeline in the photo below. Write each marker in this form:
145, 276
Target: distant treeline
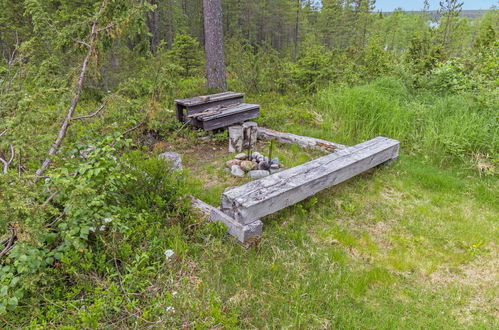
436, 15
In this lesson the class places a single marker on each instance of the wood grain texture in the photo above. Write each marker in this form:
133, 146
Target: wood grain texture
230, 120
236, 138
262, 197
203, 99
302, 141
239, 231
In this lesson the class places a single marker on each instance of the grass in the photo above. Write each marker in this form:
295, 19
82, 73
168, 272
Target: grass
412, 245
408, 246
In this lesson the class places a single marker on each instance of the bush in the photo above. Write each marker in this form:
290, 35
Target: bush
102, 209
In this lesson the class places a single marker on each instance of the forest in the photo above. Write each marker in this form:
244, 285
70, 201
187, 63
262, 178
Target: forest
97, 232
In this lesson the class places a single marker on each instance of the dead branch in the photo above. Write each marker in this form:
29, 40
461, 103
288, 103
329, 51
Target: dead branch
76, 98
5, 131
133, 128
6, 163
8, 242
93, 114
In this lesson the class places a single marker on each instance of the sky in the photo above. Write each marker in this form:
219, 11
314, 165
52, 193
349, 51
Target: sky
390, 5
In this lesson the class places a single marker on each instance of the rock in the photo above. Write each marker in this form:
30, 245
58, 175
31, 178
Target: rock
274, 165
266, 159
256, 155
237, 171
275, 161
247, 165
173, 158
241, 156
275, 170
264, 166
231, 162
258, 174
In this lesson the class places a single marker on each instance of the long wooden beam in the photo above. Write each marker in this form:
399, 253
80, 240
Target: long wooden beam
302, 141
259, 198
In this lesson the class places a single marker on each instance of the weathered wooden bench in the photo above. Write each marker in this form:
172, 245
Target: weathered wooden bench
215, 111
254, 200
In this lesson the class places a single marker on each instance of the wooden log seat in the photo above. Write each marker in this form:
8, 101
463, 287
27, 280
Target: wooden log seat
256, 199
215, 111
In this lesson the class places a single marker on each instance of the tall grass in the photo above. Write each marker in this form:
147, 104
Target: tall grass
448, 125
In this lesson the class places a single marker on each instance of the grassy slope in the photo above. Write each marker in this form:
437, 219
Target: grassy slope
407, 246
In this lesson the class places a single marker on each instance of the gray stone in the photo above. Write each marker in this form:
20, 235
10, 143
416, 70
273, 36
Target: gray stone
237, 171
258, 174
274, 165
173, 158
256, 155
241, 156
264, 166
275, 161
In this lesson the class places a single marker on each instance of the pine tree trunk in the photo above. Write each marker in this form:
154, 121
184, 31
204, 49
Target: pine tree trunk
214, 44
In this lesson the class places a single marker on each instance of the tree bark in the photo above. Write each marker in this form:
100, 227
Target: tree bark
153, 25
214, 44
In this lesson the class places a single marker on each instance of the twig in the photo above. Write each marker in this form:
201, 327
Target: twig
92, 114
51, 197
56, 220
133, 128
4, 131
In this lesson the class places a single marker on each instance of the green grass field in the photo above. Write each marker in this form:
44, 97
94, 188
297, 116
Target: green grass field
410, 245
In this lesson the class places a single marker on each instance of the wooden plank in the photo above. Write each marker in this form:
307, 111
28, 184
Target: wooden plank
302, 141
241, 232
197, 100
202, 107
230, 120
259, 198
228, 111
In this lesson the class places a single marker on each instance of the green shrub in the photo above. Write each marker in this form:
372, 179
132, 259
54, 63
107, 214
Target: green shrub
102, 208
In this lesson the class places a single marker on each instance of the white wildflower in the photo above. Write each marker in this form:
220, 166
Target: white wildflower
108, 220
174, 293
170, 309
102, 228
92, 229
169, 254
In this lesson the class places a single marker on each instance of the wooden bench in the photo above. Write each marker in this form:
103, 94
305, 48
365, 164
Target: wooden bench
214, 111
249, 202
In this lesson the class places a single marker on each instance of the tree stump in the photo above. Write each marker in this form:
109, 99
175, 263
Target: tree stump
236, 137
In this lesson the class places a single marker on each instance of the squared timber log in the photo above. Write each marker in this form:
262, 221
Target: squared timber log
241, 232
262, 197
198, 104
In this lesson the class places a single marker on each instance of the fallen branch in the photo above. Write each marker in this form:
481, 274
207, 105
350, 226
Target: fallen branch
92, 114
133, 128
6, 163
74, 101
5, 131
